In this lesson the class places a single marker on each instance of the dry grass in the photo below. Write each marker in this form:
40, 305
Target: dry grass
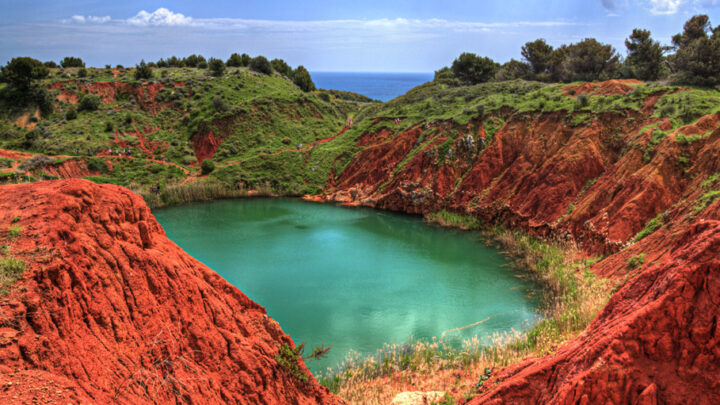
176, 194
573, 297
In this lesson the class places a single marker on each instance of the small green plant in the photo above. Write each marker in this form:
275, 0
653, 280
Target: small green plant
109, 127
636, 261
71, 114
11, 269
652, 226
89, 102
15, 219
582, 101
207, 166
14, 232
706, 200
288, 358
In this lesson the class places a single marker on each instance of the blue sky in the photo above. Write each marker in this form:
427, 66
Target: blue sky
324, 35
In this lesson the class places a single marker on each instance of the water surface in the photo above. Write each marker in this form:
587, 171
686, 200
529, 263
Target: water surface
377, 86
353, 278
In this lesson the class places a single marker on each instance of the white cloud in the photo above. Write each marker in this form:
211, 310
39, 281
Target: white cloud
89, 19
161, 16
165, 17
665, 7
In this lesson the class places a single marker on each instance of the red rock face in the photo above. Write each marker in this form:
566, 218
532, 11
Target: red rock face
657, 339
110, 310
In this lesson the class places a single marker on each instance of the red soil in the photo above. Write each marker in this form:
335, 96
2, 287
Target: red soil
143, 94
205, 145
110, 310
657, 339
606, 88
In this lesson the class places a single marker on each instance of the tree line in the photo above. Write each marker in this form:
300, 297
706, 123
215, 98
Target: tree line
693, 59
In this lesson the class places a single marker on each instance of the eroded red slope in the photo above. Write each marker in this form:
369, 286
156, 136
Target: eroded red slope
596, 182
111, 310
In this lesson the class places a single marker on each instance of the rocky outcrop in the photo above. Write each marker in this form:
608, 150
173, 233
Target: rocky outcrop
110, 310
597, 180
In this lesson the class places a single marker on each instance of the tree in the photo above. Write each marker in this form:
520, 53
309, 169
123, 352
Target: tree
695, 28
51, 65
217, 67
538, 54
235, 60
143, 71
590, 60
281, 67
697, 60
645, 56
245, 59
514, 69
22, 73
260, 64
193, 60
472, 69
71, 61
301, 77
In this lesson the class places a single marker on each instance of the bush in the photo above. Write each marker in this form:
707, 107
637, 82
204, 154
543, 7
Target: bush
217, 67
21, 73
202, 65
472, 69
636, 261
301, 77
235, 60
71, 114
260, 64
82, 73
582, 101
207, 166
71, 61
109, 127
143, 71
89, 102
219, 104
281, 67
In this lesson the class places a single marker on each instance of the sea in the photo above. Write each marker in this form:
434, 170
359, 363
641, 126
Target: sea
378, 86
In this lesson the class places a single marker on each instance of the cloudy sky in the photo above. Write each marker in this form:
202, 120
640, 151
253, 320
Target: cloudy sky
326, 35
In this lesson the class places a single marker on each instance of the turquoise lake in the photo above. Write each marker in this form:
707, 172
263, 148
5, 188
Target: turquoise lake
355, 278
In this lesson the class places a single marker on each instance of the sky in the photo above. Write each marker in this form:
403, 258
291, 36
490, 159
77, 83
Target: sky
327, 35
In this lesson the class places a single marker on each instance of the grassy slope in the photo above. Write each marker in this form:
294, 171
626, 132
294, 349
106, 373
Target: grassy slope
261, 119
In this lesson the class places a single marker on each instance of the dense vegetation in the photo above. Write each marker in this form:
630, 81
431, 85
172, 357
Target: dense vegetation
695, 61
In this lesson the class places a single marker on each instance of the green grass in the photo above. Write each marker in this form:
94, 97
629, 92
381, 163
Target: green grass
576, 296
288, 359
706, 200
447, 218
652, 226
14, 232
636, 261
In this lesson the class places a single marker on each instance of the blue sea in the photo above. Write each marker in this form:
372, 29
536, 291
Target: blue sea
378, 86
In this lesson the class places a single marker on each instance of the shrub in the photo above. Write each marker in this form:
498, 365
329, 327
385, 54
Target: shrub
109, 127
582, 101
35, 162
202, 65
82, 73
217, 67
301, 77
219, 104
71, 61
89, 102
636, 261
21, 73
70, 114
143, 71
281, 67
260, 64
207, 166
235, 60
473, 69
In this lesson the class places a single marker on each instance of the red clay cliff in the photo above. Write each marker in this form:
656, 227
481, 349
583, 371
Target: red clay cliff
110, 310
